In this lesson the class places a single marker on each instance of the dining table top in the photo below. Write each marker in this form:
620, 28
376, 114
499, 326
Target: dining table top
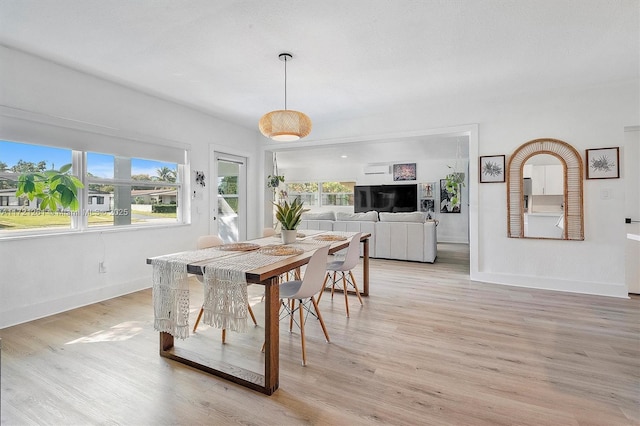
286, 263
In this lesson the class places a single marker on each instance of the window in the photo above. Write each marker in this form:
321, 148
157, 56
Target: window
319, 194
139, 191
337, 193
17, 213
306, 192
119, 190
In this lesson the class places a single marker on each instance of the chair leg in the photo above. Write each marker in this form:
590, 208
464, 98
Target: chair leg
324, 328
304, 349
198, 319
224, 335
355, 286
333, 286
253, 317
324, 285
346, 298
293, 306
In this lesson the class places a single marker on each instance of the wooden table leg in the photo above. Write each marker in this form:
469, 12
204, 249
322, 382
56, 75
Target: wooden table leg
166, 342
272, 336
365, 267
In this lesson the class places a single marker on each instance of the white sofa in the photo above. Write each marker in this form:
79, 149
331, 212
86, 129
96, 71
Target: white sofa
402, 236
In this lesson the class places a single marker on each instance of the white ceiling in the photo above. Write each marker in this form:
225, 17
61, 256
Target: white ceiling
351, 58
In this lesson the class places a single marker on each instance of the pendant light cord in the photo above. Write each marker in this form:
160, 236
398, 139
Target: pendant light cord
275, 164
285, 82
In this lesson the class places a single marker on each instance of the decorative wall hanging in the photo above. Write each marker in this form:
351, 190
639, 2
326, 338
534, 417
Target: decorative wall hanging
404, 171
200, 178
428, 205
492, 169
603, 163
449, 197
427, 190
573, 218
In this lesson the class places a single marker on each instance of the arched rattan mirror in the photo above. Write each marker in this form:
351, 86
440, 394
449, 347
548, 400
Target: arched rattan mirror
571, 219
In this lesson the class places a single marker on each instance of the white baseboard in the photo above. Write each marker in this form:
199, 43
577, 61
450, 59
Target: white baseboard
545, 283
27, 313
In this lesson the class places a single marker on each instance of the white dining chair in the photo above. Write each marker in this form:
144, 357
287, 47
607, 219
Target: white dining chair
344, 267
208, 241
304, 292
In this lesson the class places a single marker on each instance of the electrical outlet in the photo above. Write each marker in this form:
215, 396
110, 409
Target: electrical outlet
102, 268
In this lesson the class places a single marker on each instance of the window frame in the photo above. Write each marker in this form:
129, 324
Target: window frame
79, 220
319, 193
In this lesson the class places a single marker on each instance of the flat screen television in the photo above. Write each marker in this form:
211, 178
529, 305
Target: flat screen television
385, 198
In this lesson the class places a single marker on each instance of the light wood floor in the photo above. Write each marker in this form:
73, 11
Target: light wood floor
429, 347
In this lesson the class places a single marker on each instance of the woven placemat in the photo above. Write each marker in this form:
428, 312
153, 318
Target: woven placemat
281, 250
239, 247
330, 238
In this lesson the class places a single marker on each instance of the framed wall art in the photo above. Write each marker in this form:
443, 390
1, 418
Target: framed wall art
404, 171
603, 163
449, 197
428, 206
427, 190
492, 169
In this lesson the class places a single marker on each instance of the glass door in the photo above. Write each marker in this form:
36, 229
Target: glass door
230, 217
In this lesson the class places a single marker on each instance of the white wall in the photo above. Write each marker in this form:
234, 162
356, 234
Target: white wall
591, 117
48, 274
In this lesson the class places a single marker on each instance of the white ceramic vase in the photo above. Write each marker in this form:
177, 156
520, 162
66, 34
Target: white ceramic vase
289, 235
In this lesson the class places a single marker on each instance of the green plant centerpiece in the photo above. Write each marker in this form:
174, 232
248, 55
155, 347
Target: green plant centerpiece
289, 215
54, 188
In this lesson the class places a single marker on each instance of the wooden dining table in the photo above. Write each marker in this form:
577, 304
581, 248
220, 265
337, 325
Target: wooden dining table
267, 276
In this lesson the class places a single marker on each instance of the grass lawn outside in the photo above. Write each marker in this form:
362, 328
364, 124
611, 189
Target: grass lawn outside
31, 219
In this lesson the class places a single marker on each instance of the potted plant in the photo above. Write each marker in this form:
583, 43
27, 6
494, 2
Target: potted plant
273, 181
289, 216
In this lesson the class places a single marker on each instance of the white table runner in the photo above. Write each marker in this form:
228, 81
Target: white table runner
225, 285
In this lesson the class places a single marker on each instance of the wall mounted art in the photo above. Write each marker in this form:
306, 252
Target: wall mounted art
492, 169
404, 171
603, 163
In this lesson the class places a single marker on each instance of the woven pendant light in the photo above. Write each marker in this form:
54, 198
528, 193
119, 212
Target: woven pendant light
285, 125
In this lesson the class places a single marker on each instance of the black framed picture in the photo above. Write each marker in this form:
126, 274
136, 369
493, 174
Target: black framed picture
428, 206
492, 169
603, 163
404, 171
449, 198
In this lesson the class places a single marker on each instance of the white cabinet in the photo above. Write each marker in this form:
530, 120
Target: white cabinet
545, 180
554, 180
537, 180
543, 225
